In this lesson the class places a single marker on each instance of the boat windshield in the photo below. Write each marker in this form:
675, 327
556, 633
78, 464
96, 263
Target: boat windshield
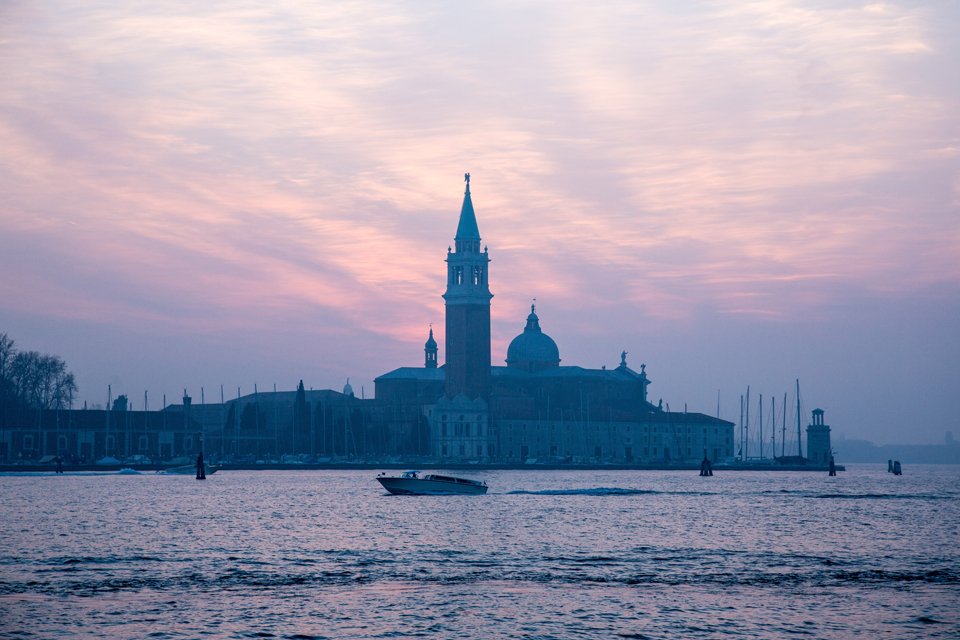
439, 478
409, 474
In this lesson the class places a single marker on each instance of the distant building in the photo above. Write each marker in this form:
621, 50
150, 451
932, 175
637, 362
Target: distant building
533, 408
818, 440
88, 435
947, 452
252, 427
267, 425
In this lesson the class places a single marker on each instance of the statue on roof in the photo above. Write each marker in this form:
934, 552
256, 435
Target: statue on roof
623, 358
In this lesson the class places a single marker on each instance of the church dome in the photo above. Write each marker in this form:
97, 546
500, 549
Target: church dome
533, 350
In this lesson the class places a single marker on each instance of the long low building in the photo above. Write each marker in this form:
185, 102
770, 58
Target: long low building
252, 427
88, 435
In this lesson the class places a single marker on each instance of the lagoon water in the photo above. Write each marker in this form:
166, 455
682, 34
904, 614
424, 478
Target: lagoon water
545, 554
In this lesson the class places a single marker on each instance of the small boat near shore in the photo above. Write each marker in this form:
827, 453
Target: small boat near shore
411, 483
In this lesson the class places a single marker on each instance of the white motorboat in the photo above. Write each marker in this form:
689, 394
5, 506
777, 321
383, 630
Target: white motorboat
411, 483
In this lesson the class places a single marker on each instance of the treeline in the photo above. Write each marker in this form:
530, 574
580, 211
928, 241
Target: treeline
30, 380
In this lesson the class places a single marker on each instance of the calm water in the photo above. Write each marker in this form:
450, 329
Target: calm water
326, 554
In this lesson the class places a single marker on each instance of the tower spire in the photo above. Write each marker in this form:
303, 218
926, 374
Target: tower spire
468, 234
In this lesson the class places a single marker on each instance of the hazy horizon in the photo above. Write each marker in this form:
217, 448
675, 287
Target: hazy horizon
736, 194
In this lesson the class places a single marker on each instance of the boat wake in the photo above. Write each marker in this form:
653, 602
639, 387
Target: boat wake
598, 491
801, 493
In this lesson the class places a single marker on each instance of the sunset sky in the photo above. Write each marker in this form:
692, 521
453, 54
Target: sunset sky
736, 193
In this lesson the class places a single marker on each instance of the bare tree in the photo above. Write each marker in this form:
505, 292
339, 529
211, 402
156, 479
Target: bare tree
7, 351
34, 380
7, 398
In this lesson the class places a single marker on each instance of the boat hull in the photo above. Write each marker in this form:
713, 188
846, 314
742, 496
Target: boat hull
427, 487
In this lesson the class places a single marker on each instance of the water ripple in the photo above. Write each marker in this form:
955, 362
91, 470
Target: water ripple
544, 555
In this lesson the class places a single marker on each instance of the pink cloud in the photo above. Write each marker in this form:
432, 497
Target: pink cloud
637, 169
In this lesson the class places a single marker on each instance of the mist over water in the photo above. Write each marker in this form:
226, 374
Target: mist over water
546, 554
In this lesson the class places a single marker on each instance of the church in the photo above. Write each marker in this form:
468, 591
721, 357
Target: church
533, 409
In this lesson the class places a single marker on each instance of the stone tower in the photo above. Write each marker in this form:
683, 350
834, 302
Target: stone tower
818, 439
467, 340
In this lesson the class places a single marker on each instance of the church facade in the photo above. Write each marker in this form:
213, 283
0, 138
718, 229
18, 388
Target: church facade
533, 408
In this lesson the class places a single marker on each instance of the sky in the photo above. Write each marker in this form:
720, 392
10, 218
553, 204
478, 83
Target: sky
246, 193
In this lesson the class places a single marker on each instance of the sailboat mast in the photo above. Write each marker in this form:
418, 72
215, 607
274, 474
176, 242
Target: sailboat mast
741, 426
783, 434
773, 427
760, 438
236, 426
746, 427
799, 446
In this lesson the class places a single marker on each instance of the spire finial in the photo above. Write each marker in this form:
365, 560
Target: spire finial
466, 178
533, 306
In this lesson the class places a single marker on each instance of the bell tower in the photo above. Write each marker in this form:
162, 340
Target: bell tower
430, 352
467, 339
